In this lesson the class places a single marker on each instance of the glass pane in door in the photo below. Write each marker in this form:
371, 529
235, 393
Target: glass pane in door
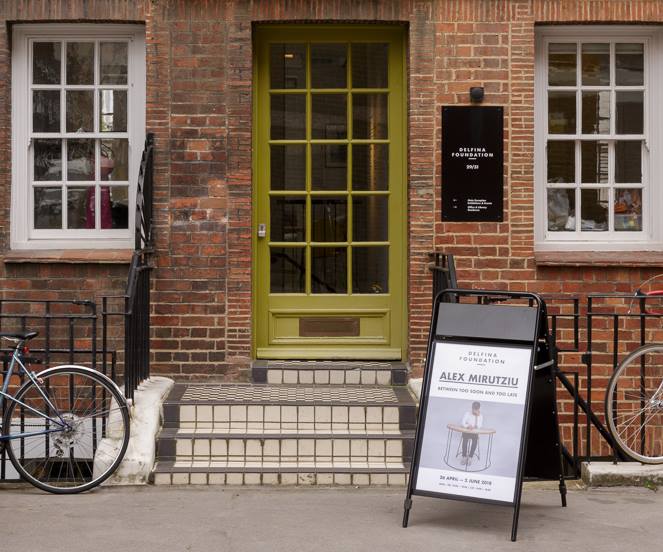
329, 189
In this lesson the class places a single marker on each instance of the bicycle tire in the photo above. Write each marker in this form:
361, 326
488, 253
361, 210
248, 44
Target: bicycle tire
92, 447
634, 405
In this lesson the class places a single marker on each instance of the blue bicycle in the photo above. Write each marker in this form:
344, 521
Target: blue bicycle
65, 429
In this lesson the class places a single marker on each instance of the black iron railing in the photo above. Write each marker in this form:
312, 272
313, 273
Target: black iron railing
134, 304
443, 267
67, 335
68, 330
590, 336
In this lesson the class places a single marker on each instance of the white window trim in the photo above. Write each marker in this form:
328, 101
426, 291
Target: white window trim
652, 238
21, 237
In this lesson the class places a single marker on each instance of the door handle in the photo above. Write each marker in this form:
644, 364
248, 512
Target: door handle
262, 230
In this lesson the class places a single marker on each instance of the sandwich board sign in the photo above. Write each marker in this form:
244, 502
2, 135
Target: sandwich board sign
474, 414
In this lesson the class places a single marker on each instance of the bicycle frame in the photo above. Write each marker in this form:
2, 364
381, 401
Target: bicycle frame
4, 395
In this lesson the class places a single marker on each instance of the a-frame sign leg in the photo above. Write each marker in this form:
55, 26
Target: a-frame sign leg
516, 515
562, 490
406, 510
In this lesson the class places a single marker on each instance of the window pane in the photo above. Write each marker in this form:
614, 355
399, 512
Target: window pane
595, 64
561, 161
628, 209
329, 167
80, 207
48, 208
287, 65
114, 160
329, 120
80, 160
115, 207
287, 270
287, 219
562, 64
46, 62
370, 269
370, 65
329, 272
561, 209
596, 112
113, 60
630, 113
370, 167
80, 111
80, 63
288, 167
370, 218
329, 219
562, 112
113, 110
329, 65
628, 161
369, 116
594, 162
630, 64
48, 160
288, 113
594, 209
46, 111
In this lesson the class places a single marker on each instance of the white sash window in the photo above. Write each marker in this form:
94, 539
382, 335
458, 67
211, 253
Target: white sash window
78, 126
597, 126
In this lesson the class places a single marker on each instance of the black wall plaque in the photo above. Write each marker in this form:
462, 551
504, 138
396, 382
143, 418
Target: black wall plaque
472, 163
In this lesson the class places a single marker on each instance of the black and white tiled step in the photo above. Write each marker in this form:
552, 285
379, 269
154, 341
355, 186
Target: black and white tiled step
277, 372
295, 473
288, 435
258, 408
269, 448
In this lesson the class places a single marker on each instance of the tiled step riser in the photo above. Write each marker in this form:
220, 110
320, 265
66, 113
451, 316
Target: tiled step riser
329, 373
287, 450
329, 479
277, 376
256, 417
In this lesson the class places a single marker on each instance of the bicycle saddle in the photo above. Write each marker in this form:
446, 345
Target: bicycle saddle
23, 336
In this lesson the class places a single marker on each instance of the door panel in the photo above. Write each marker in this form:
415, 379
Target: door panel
330, 192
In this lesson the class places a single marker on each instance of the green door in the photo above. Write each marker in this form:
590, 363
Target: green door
330, 192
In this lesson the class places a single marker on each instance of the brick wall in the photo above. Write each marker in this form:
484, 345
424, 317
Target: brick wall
199, 72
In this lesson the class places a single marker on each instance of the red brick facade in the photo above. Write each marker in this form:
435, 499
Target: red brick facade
199, 105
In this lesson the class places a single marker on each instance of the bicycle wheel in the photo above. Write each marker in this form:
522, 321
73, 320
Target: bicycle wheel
634, 405
78, 440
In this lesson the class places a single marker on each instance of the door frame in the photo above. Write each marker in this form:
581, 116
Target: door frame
397, 32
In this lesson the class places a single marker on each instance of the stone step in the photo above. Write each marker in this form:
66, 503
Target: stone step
254, 408
184, 445
276, 372
280, 473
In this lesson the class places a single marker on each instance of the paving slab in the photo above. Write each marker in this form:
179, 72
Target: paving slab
633, 474
194, 518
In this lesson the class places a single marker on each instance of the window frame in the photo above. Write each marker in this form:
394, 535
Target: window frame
651, 237
22, 235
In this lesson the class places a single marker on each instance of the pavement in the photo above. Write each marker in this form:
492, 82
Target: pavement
148, 518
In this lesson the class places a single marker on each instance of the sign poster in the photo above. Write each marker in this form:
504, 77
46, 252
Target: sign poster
472, 163
474, 421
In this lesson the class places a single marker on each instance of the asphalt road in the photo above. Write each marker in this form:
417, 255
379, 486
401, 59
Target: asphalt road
145, 519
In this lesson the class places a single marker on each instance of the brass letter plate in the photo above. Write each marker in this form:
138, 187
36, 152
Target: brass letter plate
327, 326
